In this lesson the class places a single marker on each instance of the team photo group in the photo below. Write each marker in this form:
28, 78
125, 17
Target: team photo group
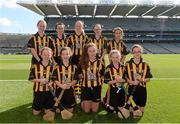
71, 70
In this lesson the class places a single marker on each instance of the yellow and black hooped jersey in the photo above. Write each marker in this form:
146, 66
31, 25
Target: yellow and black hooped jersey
65, 74
58, 44
111, 72
112, 44
142, 69
93, 75
39, 71
101, 43
37, 42
76, 43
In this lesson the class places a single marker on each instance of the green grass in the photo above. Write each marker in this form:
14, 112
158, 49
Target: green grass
163, 103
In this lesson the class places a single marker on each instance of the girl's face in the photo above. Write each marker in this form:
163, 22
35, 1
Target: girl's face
78, 27
60, 29
97, 30
115, 58
41, 27
65, 55
118, 34
92, 52
46, 55
137, 53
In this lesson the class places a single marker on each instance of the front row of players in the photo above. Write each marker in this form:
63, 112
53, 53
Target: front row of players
54, 85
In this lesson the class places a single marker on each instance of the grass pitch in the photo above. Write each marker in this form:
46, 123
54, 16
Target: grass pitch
163, 103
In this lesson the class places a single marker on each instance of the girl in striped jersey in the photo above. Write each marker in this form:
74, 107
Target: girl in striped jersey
59, 41
115, 78
38, 41
138, 74
98, 39
117, 43
40, 75
76, 42
92, 70
65, 77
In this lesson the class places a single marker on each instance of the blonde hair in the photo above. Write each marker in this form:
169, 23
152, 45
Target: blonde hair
114, 52
137, 46
118, 28
46, 48
42, 21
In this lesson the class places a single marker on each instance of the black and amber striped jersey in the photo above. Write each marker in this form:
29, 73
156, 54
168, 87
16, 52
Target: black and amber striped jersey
58, 44
39, 71
76, 43
101, 43
112, 44
111, 72
64, 74
93, 75
142, 69
37, 42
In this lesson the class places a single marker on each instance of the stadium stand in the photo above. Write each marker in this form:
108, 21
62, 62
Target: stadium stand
13, 43
156, 35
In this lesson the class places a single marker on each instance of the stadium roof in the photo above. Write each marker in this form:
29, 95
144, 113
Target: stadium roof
104, 8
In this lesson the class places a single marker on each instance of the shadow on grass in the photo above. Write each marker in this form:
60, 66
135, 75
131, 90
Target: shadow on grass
23, 114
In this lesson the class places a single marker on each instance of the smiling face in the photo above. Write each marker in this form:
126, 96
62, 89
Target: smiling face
92, 52
46, 54
115, 57
137, 53
79, 27
60, 29
97, 29
41, 26
65, 55
118, 34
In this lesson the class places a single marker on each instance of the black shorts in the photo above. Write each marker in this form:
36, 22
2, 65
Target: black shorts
139, 96
42, 100
93, 94
68, 98
57, 60
116, 99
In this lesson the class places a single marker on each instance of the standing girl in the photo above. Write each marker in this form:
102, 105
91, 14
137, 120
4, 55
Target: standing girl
118, 43
59, 41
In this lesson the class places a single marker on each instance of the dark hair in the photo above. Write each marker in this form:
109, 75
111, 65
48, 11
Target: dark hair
66, 48
84, 59
59, 23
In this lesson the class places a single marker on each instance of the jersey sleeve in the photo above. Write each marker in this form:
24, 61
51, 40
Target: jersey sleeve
125, 51
30, 43
32, 73
148, 74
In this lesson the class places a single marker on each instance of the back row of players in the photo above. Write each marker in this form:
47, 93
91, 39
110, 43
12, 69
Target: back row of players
75, 64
